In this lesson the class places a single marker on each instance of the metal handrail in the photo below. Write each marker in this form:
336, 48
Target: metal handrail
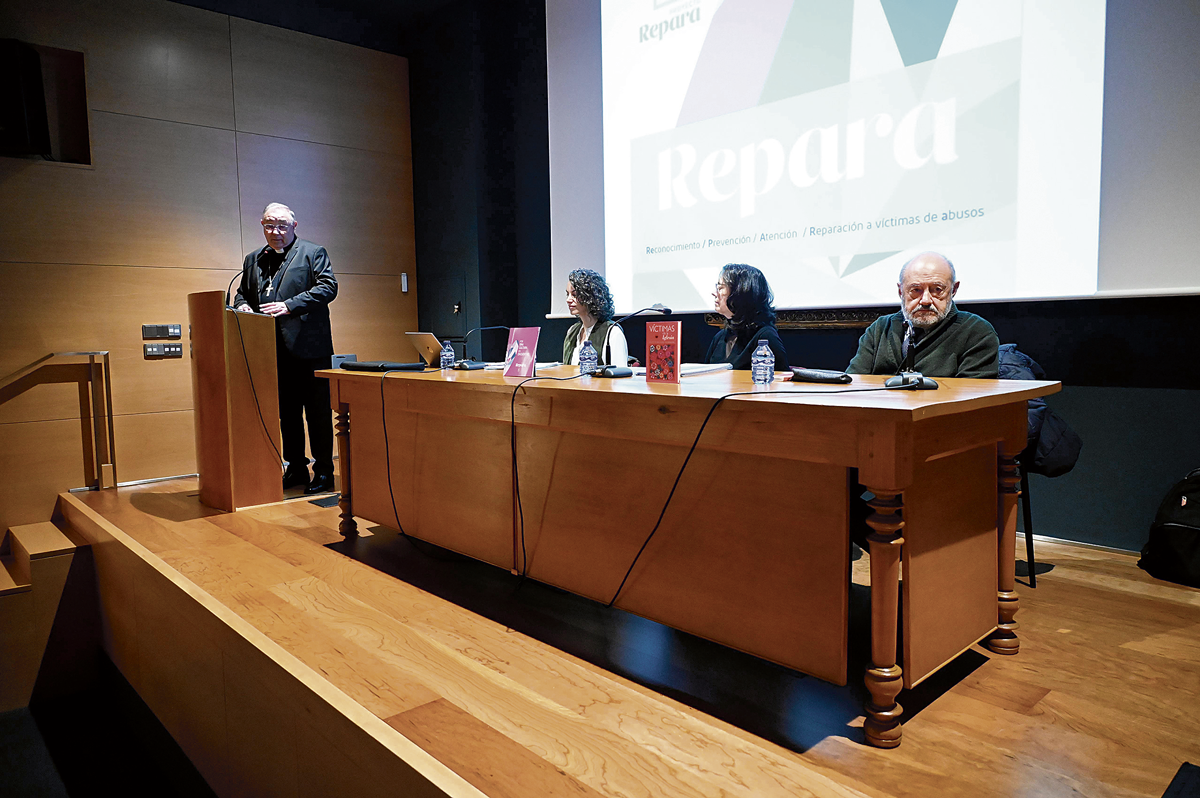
95, 405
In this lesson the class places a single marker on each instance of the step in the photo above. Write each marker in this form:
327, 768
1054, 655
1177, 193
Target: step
8, 582
21, 546
37, 559
35, 541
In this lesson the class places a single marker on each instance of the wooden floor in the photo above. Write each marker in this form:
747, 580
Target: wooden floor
527, 691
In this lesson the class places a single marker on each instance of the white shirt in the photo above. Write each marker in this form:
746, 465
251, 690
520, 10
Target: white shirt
618, 347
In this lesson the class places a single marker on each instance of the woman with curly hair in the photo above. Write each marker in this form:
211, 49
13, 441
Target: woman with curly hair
588, 298
743, 297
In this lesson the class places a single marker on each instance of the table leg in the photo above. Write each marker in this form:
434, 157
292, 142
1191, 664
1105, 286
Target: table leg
1004, 640
347, 526
884, 677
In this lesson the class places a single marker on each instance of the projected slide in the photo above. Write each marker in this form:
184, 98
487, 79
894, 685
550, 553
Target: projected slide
826, 141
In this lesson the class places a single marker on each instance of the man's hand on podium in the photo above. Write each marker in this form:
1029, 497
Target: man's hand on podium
274, 308
244, 308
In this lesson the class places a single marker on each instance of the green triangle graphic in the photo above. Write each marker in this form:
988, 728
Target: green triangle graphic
814, 51
860, 262
918, 26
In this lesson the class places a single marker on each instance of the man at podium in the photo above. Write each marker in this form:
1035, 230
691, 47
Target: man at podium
292, 280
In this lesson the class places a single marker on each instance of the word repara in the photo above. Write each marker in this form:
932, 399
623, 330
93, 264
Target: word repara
725, 173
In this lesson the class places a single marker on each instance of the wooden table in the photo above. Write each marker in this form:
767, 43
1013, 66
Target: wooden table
753, 551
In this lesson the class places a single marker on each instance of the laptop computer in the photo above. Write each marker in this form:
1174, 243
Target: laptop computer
427, 346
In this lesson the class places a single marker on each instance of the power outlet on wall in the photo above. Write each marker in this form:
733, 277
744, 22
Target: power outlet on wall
156, 351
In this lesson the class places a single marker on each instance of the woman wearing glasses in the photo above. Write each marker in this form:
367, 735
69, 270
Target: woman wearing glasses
743, 297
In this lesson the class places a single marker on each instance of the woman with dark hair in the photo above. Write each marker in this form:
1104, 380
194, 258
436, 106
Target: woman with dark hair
743, 297
588, 298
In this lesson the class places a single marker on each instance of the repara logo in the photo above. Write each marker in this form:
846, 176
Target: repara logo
838, 155
684, 14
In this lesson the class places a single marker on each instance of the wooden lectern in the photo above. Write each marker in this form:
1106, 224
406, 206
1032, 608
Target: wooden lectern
235, 393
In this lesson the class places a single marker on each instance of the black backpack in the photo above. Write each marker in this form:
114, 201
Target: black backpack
1173, 550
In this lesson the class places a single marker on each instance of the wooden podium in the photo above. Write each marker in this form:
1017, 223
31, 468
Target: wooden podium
235, 393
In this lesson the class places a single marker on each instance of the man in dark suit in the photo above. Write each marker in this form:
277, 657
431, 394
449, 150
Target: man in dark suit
292, 280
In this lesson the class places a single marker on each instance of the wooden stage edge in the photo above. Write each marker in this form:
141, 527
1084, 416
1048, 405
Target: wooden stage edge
133, 580
284, 667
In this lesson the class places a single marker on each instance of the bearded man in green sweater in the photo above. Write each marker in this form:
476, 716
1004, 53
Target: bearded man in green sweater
929, 334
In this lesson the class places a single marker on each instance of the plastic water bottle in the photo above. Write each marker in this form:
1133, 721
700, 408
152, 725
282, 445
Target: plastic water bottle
762, 364
589, 361
447, 355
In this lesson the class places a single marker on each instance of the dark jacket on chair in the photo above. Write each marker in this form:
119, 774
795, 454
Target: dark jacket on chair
1053, 447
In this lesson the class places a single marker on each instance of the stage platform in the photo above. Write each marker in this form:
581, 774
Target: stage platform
286, 661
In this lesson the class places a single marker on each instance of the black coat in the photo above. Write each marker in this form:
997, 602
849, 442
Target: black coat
306, 285
740, 356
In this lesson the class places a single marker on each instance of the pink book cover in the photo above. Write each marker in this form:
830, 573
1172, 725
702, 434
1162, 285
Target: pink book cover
662, 350
520, 356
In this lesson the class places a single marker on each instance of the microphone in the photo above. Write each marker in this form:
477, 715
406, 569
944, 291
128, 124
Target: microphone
624, 371
911, 380
229, 287
474, 365
657, 307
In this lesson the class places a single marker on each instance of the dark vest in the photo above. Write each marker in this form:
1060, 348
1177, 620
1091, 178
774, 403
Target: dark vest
598, 338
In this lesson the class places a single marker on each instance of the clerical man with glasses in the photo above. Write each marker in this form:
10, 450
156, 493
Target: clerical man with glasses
929, 334
292, 280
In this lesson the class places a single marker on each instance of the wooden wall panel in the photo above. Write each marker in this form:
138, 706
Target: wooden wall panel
298, 86
371, 315
356, 204
159, 194
152, 445
37, 462
90, 253
143, 57
97, 307
40, 459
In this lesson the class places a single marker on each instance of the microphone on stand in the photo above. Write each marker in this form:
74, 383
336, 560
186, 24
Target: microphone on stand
229, 287
625, 371
657, 307
473, 365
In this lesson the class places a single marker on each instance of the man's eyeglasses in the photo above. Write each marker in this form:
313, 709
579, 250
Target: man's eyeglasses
279, 227
937, 291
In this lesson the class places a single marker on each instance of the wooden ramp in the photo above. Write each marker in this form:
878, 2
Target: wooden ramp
283, 667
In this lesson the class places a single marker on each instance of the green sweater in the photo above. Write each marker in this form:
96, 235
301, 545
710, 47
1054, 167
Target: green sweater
962, 345
599, 338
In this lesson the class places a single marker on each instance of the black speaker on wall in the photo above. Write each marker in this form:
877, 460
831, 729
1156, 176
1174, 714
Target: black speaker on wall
24, 129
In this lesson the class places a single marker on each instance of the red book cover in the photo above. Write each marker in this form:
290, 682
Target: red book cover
662, 350
521, 352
